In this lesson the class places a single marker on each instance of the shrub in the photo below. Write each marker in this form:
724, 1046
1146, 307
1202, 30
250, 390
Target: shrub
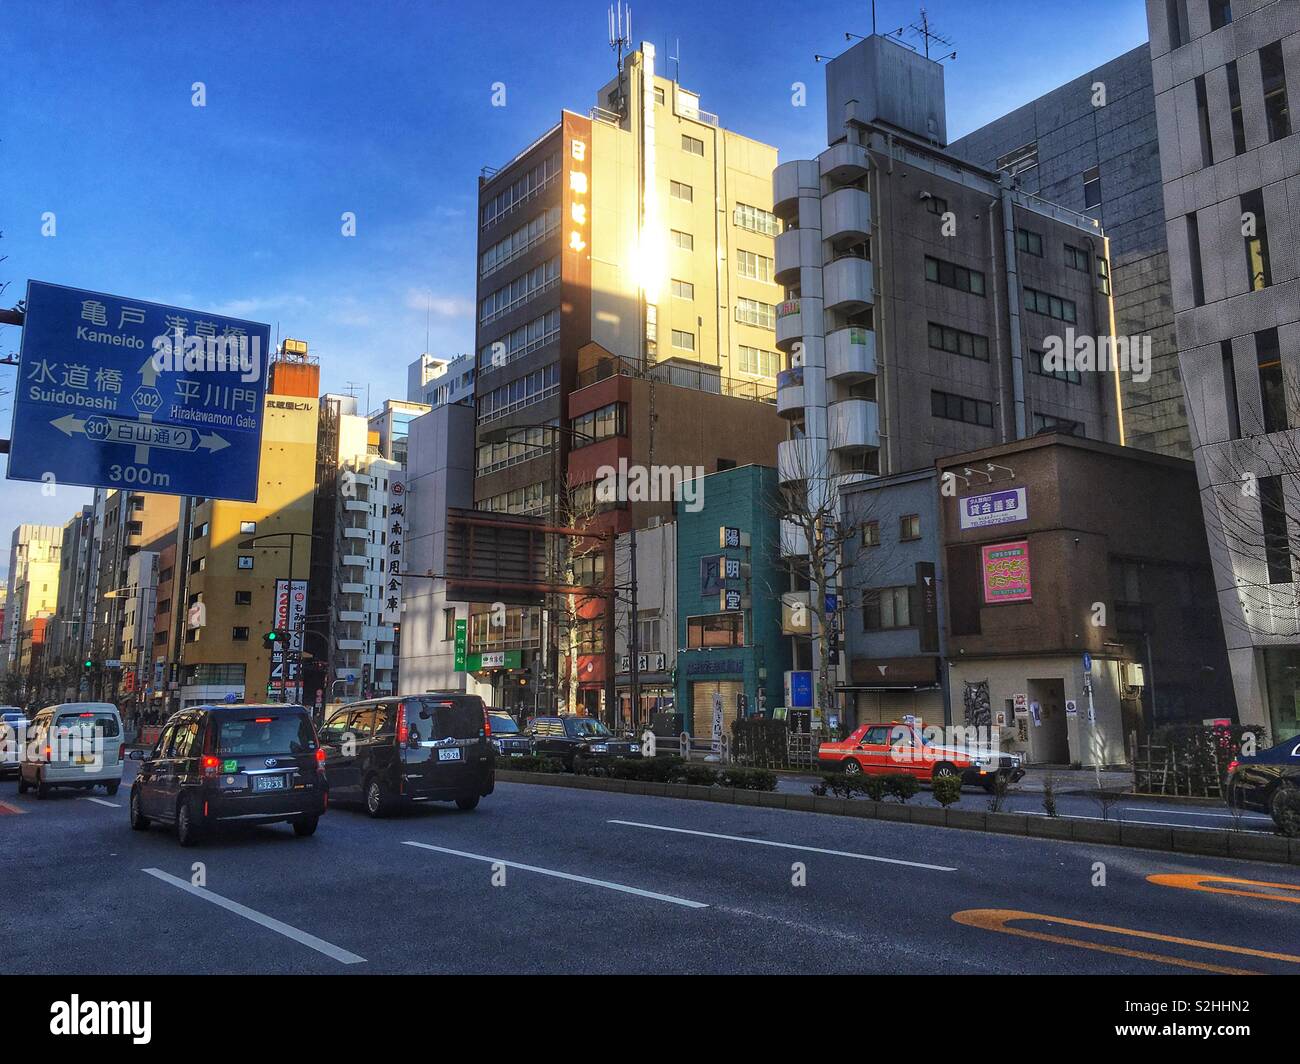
533, 763
946, 790
900, 786
837, 784
749, 779
698, 775
874, 787
1049, 794
1287, 804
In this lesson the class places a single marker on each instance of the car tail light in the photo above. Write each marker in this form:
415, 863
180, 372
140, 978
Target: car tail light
1232, 767
49, 754
487, 723
320, 759
210, 765
121, 751
403, 732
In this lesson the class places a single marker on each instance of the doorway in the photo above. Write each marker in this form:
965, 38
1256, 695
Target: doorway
1049, 740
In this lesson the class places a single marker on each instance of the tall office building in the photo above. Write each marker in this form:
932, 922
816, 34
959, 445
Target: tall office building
69, 636
1224, 73
33, 586
437, 381
641, 226
1091, 145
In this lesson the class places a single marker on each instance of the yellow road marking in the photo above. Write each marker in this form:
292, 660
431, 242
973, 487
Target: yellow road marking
997, 920
7, 807
1198, 882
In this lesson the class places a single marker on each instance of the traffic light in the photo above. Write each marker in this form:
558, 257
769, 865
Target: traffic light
276, 635
88, 664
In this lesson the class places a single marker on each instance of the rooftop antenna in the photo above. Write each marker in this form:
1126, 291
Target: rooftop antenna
923, 30
677, 60
620, 31
351, 388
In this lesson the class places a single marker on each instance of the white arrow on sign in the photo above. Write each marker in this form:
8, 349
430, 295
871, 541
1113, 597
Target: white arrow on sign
213, 442
69, 423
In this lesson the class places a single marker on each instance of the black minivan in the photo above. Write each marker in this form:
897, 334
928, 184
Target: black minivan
386, 752
226, 764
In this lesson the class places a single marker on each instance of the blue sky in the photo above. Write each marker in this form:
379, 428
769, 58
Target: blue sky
384, 109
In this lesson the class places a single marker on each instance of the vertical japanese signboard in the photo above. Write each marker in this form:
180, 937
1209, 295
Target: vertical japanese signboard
397, 525
462, 645
286, 660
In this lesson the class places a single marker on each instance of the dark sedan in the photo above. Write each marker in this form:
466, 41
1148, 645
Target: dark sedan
572, 737
507, 738
1262, 781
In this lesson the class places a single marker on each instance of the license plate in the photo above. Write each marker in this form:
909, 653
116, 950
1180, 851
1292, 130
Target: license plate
268, 783
451, 753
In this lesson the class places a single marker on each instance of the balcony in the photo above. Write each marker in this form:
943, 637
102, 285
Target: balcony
846, 214
353, 589
789, 324
355, 533
796, 249
350, 644
848, 286
356, 506
789, 392
383, 662
852, 424
850, 354
796, 460
356, 616
358, 560
844, 162
789, 181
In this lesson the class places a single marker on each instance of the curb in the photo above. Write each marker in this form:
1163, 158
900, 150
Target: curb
1245, 846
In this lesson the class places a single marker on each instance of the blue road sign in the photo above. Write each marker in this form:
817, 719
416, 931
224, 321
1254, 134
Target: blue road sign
1087, 662
123, 393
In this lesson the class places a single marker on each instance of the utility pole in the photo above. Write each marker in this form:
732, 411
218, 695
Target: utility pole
633, 641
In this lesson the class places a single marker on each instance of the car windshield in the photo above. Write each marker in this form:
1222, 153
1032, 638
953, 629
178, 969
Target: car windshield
89, 720
504, 724
269, 733
582, 727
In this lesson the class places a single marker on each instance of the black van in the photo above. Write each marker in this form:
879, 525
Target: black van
414, 748
227, 764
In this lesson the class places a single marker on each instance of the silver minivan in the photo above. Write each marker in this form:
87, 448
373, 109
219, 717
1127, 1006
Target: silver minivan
75, 744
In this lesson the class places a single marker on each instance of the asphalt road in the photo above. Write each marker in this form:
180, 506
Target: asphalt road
603, 883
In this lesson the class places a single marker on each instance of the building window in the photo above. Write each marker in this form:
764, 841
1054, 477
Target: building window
950, 275
449, 623
682, 191
1277, 545
1272, 387
1230, 390
247, 528
1052, 306
909, 526
718, 630
871, 533
527, 286
692, 145
659, 95
754, 266
1029, 242
609, 420
1272, 72
1220, 13
239, 634
198, 565
1020, 160
1092, 188
1176, 14
957, 342
760, 363
245, 561
936, 205
1050, 423
684, 241
243, 598
755, 219
520, 191
755, 312
1203, 123
1254, 224
1234, 107
683, 289
887, 607
683, 340
1069, 376
199, 530
1194, 260
952, 407
1076, 258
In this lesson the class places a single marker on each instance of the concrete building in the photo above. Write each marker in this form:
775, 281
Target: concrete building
437, 381
894, 602
243, 591
70, 633
1076, 575
1091, 145
139, 616
389, 425
33, 584
1224, 74
655, 620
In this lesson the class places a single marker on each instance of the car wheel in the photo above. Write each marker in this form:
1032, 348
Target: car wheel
22, 784
943, 771
305, 826
377, 800
989, 785
851, 767
466, 804
111, 788
139, 821
1277, 803
42, 789
187, 826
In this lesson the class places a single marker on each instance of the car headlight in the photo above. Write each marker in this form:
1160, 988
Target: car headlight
600, 748
636, 748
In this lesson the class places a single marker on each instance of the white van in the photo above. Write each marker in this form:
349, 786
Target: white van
76, 744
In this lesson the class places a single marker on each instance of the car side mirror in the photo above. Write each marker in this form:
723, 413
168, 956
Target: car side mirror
136, 755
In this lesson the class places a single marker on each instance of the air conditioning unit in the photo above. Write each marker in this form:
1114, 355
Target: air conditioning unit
1134, 674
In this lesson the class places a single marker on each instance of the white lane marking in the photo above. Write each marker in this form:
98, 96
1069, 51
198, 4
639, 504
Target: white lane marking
1131, 820
564, 875
786, 846
269, 922
1197, 812
100, 801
